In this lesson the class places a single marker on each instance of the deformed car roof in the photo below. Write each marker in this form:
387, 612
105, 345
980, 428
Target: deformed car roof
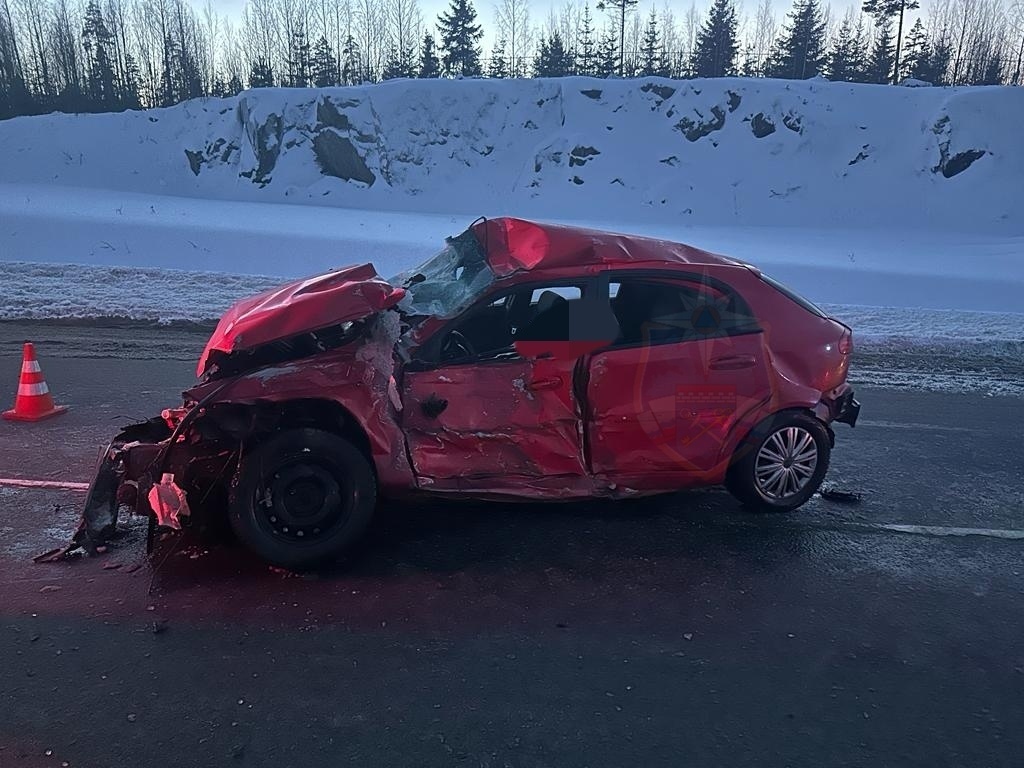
513, 245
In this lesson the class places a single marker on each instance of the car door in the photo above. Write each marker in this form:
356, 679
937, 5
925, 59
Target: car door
689, 366
479, 414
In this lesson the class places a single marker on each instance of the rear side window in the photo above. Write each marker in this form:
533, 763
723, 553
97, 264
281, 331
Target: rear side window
666, 311
793, 296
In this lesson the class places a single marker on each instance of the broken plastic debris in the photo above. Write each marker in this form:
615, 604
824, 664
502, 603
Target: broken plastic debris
846, 497
168, 502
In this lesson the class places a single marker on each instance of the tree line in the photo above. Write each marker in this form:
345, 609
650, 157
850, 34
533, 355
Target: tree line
108, 55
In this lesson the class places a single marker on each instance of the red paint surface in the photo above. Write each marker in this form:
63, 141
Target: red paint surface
304, 305
564, 419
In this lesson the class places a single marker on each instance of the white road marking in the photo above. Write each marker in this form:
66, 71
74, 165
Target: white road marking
941, 530
12, 482
905, 425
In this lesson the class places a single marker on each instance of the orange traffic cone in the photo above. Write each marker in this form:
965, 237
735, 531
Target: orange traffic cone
34, 401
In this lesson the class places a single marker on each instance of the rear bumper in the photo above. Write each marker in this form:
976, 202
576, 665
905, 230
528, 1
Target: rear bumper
845, 409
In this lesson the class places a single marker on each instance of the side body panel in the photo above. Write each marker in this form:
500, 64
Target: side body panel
663, 415
501, 425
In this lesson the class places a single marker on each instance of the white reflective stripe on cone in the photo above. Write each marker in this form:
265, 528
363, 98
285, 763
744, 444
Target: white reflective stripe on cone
33, 390
30, 366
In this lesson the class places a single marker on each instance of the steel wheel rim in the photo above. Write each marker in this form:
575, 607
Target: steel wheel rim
303, 500
785, 463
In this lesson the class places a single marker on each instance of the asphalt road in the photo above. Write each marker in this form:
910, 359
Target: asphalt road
677, 631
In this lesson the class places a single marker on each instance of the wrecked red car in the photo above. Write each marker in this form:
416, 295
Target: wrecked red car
525, 361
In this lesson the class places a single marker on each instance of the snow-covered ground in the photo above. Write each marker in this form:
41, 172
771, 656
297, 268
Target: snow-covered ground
898, 209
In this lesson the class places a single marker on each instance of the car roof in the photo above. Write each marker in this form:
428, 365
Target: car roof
515, 245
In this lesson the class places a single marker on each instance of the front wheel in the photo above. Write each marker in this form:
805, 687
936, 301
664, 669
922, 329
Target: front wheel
302, 497
781, 464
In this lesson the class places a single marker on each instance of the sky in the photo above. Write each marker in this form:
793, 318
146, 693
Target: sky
538, 8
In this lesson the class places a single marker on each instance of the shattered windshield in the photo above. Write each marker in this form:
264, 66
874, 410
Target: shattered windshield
449, 282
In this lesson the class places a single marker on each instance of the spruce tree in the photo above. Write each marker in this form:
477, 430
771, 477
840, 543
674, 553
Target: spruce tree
800, 52
884, 11
552, 59
651, 50
586, 52
938, 65
716, 47
460, 39
351, 72
882, 58
324, 64
847, 59
299, 64
917, 59
498, 66
993, 71
261, 75
606, 62
430, 66
98, 42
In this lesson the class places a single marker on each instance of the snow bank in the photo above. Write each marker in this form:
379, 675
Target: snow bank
724, 151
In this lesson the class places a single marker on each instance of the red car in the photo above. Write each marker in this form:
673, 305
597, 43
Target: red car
525, 361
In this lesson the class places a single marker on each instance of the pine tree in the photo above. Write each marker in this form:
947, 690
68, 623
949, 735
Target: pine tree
235, 86
847, 59
97, 42
917, 60
716, 47
498, 66
261, 75
552, 59
882, 58
607, 58
800, 52
460, 38
430, 66
324, 65
299, 64
884, 11
586, 49
620, 9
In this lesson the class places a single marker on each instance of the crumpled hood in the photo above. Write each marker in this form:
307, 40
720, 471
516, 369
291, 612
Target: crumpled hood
298, 307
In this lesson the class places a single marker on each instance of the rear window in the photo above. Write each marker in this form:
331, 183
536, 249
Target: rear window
793, 296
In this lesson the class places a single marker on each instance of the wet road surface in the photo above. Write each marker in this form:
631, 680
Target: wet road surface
677, 631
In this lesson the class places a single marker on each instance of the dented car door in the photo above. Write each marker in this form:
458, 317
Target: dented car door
495, 423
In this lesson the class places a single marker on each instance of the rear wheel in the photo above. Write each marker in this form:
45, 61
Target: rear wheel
781, 464
303, 497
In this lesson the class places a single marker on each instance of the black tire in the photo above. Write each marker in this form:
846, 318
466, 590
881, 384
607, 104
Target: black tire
302, 498
742, 477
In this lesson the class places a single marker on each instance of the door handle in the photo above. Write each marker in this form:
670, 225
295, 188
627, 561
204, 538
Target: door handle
732, 362
553, 383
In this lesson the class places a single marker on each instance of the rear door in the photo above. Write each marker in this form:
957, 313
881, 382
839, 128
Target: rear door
688, 368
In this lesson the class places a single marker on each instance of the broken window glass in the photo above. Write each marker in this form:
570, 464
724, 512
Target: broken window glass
449, 282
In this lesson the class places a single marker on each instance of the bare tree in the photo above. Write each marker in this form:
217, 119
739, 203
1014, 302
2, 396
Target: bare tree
212, 29
371, 36
512, 19
1016, 20
765, 31
404, 30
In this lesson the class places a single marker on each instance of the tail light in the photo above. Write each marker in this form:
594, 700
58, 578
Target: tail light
846, 342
